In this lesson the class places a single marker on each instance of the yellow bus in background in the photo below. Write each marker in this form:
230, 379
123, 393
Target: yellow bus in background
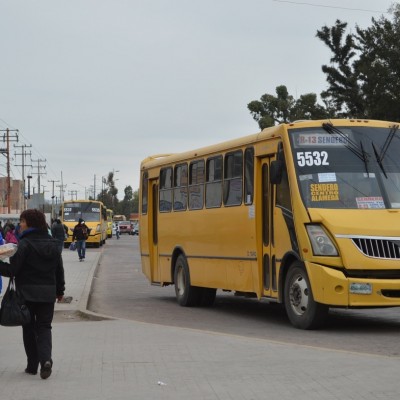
92, 212
306, 214
110, 215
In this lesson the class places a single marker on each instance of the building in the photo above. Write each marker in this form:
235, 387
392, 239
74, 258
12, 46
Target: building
17, 198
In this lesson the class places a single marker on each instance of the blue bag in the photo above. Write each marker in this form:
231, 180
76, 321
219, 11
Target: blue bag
72, 246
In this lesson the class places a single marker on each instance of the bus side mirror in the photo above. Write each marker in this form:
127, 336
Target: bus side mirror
275, 172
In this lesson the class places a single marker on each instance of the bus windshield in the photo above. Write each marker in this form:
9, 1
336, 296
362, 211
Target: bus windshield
88, 211
348, 167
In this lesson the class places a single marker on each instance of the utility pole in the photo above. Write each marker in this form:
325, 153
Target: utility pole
62, 189
6, 151
52, 198
24, 153
73, 193
39, 172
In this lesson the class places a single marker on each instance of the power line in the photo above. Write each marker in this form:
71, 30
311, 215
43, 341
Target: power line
325, 6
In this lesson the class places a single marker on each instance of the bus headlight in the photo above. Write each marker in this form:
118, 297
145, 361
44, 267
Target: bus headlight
321, 243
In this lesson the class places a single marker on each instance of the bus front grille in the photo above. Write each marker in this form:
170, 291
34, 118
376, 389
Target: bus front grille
378, 248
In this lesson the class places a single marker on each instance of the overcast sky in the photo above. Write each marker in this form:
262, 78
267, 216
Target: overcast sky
98, 85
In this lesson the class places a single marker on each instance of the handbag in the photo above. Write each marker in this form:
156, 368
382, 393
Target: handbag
14, 311
72, 246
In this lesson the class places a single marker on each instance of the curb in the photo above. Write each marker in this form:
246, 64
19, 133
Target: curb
82, 310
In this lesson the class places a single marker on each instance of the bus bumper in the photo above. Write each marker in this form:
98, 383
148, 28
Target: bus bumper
332, 287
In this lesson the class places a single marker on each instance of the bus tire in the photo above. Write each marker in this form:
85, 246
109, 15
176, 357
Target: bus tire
301, 309
186, 294
207, 297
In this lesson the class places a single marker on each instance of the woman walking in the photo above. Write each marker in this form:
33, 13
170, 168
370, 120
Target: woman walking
39, 276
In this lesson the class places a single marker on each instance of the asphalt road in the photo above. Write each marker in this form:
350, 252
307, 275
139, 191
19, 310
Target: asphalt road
121, 290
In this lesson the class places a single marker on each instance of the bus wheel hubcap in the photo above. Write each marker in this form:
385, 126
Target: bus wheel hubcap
299, 295
181, 282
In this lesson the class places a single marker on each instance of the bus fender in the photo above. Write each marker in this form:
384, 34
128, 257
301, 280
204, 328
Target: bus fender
175, 254
288, 259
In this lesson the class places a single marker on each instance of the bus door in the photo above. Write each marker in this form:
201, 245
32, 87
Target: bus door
269, 278
153, 230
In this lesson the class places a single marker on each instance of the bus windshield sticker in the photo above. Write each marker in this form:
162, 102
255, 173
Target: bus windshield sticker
307, 177
324, 192
369, 175
314, 139
370, 202
327, 177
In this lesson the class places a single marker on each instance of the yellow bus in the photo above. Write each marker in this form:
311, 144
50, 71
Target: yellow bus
110, 215
306, 214
92, 212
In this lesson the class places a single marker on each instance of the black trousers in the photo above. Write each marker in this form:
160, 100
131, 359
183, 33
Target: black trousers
37, 334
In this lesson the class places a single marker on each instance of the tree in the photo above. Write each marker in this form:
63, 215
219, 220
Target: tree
283, 108
364, 73
130, 202
108, 194
344, 91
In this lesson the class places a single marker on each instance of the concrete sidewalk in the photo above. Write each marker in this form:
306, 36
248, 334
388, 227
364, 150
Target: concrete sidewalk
121, 360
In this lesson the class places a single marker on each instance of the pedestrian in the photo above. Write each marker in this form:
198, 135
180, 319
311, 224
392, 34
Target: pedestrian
1, 228
11, 237
17, 230
80, 234
39, 276
2, 241
58, 233
117, 231
6, 228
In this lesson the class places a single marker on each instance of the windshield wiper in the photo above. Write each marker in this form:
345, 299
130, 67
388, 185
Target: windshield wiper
381, 156
386, 145
349, 144
379, 160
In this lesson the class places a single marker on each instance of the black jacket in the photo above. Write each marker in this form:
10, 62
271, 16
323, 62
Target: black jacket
79, 232
37, 266
58, 231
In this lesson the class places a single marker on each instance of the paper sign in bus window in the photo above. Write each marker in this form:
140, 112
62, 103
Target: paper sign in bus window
324, 192
370, 202
327, 177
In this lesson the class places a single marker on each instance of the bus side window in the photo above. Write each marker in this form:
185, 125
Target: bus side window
145, 182
165, 204
233, 178
214, 182
180, 187
196, 185
248, 175
282, 189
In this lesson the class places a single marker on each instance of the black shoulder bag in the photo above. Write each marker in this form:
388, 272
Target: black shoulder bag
14, 311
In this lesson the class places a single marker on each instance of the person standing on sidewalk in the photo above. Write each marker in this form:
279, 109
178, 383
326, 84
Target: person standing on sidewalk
39, 276
11, 236
80, 234
58, 233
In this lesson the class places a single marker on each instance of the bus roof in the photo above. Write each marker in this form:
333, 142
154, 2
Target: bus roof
274, 131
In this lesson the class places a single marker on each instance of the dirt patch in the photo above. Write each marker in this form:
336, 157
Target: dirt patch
76, 316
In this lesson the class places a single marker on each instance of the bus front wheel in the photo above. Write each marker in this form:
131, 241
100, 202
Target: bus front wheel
301, 308
186, 294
